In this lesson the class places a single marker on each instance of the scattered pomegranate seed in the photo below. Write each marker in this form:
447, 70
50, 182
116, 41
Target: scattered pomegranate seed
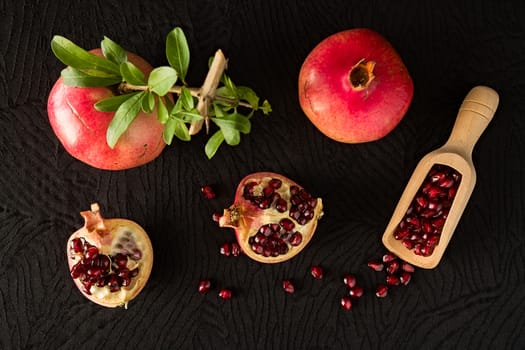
405, 278
407, 267
208, 192
216, 216
392, 267
317, 272
236, 249
346, 303
381, 291
225, 294
204, 286
376, 265
288, 287
350, 280
225, 249
388, 257
393, 280
356, 292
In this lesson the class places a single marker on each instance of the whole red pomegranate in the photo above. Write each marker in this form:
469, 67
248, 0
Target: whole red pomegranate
354, 87
273, 217
110, 260
82, 129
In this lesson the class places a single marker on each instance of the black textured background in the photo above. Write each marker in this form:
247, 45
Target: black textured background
474, 299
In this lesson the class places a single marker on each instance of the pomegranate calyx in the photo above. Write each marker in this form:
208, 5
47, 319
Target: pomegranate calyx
230, 217
361, 74
93, 220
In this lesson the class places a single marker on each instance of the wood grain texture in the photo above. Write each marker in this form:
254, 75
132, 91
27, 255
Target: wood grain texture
474, 300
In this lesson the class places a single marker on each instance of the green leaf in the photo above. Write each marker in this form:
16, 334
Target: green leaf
190, 116
169, 131
247, 94
162, 79
266, 107
131, 74
72, 55
234, 121
162, 112
230, 86
126, 113
231, 136
177, 128
187, 100
178, 52
112, 51
75, 77
111, 104
148, 102
181, 131
213, 144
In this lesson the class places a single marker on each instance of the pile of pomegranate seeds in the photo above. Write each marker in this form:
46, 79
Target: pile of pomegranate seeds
398, 272
100, 270
420, 229
274, 239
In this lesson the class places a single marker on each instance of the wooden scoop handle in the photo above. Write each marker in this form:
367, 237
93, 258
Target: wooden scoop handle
474, 115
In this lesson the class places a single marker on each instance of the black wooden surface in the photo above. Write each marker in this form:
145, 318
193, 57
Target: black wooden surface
474, 299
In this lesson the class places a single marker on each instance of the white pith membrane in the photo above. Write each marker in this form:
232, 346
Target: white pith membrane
247, 218
113, 236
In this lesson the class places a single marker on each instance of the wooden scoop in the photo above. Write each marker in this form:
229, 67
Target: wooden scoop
474, 115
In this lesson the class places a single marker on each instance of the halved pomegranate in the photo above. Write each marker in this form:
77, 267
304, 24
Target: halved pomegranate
274, 218
110, 260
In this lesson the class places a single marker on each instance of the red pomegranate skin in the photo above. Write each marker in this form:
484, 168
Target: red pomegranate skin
82, 129
339, 110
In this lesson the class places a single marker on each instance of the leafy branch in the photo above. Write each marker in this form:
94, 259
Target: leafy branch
183, 110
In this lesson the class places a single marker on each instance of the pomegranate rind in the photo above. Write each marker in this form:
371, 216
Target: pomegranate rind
101, 233
246, 218
342, 112
81, 129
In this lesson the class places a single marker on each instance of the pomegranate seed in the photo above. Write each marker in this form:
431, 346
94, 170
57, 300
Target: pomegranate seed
216, 217
356, 292
392, 267
91, 252
404, 278
346, 303
225, 249
287, 224
288, 286
381, 291
77, 245
275, 183
407, 267
392, 280
136, 254
317, 272
376, 265
204, 286
236, 249
281, 205
225, 294
208, 192
296, 239
350, 280
121, 260
268, 191
388, 257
